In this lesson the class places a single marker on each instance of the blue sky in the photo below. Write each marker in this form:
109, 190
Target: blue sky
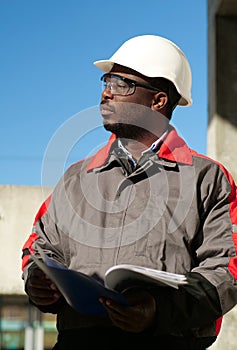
48, 81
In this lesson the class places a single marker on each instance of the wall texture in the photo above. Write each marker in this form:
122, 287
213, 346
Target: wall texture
222, 97
18, 206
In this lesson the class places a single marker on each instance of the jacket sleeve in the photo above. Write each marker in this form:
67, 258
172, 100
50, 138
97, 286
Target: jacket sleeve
190, 307
212, 288
216, 244
45, 234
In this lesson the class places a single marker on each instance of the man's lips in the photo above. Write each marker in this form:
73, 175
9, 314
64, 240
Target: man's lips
105, 109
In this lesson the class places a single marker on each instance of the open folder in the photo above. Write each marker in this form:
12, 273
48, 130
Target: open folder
82, 291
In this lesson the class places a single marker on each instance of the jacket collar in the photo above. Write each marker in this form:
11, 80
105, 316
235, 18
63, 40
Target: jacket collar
173, 149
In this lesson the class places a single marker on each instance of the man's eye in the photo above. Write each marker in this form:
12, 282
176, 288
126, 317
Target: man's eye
121, 85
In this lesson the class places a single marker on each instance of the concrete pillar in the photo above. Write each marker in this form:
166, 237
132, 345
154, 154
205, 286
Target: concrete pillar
222, 83
222, 126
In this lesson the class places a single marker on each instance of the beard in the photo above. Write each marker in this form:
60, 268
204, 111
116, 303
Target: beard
133, 121
126, 131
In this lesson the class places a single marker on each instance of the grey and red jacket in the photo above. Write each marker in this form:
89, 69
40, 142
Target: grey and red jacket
176, 211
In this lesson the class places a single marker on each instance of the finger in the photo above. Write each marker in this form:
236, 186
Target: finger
38, 275
116, 308
43, 296
42, 289
39, 279
117, 313
39, 284
42, 292
45, 301
37, 272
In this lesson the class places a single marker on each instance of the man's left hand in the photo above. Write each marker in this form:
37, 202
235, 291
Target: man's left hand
138, 316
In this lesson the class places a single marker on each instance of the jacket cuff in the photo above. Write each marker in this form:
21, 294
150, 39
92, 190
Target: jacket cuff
190, 307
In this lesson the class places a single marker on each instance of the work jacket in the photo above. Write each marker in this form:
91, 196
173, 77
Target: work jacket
175, 211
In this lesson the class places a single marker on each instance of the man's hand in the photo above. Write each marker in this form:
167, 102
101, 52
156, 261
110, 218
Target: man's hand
135, 318
41, 290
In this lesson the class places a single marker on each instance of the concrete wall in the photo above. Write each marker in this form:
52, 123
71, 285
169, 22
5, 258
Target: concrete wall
222, 97
222, 82
18, 206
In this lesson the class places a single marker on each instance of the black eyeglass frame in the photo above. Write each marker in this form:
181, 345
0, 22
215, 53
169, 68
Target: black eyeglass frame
134, 83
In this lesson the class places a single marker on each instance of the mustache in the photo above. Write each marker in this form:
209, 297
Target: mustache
107, 106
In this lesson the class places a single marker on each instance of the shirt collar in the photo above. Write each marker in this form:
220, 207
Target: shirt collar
172, 148
155, 146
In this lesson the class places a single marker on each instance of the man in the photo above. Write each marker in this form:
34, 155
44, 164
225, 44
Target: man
144, 199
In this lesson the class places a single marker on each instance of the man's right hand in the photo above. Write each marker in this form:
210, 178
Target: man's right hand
41, 290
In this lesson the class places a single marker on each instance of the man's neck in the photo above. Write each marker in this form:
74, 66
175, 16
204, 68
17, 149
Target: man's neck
137, 147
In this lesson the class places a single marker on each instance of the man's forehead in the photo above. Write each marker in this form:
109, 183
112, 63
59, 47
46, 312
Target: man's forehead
117, 68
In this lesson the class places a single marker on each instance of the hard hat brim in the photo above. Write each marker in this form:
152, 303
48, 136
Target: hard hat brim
104, 65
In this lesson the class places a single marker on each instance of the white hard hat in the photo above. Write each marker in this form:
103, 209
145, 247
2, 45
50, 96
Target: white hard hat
154, 56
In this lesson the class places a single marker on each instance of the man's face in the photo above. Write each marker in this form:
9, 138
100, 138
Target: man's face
129, 116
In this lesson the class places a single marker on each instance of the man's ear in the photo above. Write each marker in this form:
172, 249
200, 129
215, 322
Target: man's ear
159, 101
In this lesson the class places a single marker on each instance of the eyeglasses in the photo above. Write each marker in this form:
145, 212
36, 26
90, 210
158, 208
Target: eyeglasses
119, 85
